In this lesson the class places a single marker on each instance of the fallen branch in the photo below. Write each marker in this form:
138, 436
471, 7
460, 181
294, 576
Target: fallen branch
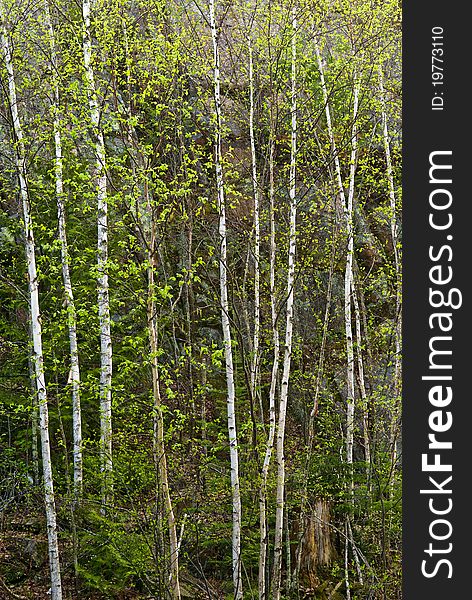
10, 593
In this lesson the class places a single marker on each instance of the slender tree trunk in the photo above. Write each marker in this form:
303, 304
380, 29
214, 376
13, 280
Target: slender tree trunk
71, 506
280, 494
148, 229
231, 394
257, 239
102, 258
288, 552
348, 283
53, 548
264, 541
34, 411
355, 552
361, 379
347, 206
340, 205
346, 561
398, 278
160, 458
65, 260
248, 368
188, 315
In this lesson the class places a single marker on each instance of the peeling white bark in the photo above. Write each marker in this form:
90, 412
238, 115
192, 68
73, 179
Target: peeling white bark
348, 281
102, 259
231, 394
257, 238
347, 207
53, 548
280, 494
264, 539
334, 151
398, 276
362, 387
34, 412
65, 260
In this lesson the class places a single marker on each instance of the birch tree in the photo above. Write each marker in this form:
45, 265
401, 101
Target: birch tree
257, 233
361, 379
36, 333
277, 346
348, 281
263, 525
280, 494
34, 406
74, 376
347, 210
348, 213
102, 259
225, 320
397, 262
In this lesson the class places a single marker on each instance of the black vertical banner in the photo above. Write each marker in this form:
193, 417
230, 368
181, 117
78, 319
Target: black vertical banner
437, 399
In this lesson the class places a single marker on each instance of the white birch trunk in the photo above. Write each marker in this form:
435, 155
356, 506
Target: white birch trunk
346, 561
398, 276
102, 258
348, 283
257, 239
362, 388
53, 548
65, 260
280, 494
288, 555
34, 412
355, 552
347, 206
334, 151
264, 541
231, 394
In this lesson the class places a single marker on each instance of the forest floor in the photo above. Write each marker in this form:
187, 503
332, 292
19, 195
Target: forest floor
24, 570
